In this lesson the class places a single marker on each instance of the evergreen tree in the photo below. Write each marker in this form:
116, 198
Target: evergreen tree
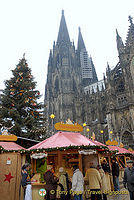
19, 107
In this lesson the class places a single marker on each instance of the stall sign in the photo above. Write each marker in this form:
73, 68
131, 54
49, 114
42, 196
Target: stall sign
42, 192
38, 155
8, 161
87, 152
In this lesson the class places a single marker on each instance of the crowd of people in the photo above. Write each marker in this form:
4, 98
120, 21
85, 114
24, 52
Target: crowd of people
97, 179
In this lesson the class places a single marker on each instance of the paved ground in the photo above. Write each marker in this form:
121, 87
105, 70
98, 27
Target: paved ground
122, 196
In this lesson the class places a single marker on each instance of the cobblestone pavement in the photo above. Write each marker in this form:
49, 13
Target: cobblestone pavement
121, 196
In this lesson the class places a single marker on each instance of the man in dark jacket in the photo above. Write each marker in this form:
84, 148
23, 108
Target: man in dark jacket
128, 180
115, 173
51, 184
26, 180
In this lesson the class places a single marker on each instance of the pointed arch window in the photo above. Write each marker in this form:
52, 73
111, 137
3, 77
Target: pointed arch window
56, 85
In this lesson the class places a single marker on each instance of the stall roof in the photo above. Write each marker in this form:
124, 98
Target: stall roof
120, 150
64, 139
98, 143
10, 146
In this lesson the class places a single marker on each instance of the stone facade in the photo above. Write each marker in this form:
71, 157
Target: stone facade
106, 105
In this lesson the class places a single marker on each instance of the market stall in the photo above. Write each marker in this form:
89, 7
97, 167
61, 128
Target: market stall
122, 155
65, 149
11, 160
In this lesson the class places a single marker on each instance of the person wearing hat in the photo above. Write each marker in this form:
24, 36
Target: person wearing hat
51, 183
128, 179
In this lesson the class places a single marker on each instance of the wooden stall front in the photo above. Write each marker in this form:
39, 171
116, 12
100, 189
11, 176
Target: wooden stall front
11, 161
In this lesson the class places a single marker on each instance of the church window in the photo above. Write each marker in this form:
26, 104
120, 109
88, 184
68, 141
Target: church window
58, 60
127, 139
64, 61
121, 87
122, 101
62, 74
56, 85
74, 85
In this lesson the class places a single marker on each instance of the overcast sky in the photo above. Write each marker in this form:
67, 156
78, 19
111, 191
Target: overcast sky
31, 26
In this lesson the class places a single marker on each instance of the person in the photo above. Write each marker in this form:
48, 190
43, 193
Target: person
105, 166
94, 180
41, 168
63, 185
51, 183
106, 169
68, 186
77, 183
115, 174
26, 181
128, 179
104, 187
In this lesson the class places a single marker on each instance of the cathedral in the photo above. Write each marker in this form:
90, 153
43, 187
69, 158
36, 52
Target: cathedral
74, 92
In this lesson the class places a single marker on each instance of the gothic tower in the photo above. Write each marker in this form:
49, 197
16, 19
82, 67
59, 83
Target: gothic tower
120, 90
69, 70
73, 90
88, 72
63, 78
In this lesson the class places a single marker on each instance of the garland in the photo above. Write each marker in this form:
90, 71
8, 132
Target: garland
100, 149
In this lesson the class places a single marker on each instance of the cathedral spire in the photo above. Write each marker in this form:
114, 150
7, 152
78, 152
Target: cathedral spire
80, 44
130, 35
120, 45
50, 59
108, 67
63, 31
94, 74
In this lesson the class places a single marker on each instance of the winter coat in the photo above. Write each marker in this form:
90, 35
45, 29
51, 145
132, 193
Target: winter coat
77, 182
129, 179
62, 185
63, 181
25, 178
115, 169
51, 183
104, 185
109, 181
93, 177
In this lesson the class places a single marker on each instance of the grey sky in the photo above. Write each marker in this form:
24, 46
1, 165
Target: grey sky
31, 26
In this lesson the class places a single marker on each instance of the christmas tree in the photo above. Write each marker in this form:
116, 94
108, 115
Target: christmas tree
20, 109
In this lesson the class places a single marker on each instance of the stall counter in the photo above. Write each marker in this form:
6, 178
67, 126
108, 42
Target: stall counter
35, 191
36, 186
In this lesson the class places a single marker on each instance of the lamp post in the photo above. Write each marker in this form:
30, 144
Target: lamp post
88, 131
110, 136
103, 136
52, 116
84, 125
